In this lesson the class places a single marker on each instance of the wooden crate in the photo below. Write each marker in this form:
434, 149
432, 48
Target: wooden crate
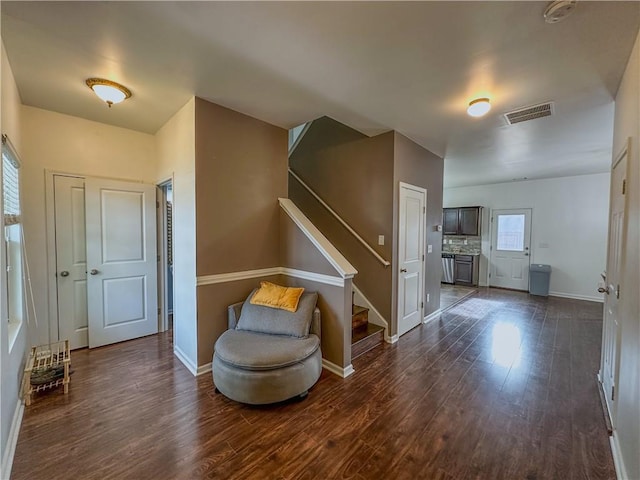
47, 367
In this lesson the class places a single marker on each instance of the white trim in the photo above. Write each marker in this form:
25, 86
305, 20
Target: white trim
393, 339
618, 461
326, 248
576, 296
202, 369
12, 441
384, 262
335, 369
268, 272
314, 277
235, 276
185, 360
432, 316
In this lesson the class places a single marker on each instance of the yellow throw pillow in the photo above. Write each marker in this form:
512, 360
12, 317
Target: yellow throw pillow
274, 296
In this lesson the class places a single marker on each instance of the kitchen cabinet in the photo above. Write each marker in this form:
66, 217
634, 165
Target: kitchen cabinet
466, 270
461, 221
450, 221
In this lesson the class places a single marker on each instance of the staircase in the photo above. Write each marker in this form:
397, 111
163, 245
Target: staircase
364, 335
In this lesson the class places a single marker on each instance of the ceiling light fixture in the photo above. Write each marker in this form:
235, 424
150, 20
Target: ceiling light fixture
558, 10
479, 107
108, 91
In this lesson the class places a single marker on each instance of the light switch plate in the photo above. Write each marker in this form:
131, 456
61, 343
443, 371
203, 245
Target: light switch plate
380, 239
429, 248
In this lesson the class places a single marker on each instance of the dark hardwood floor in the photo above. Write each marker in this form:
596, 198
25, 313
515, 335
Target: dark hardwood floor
503, 386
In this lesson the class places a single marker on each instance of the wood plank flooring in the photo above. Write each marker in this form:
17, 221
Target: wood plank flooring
502, 386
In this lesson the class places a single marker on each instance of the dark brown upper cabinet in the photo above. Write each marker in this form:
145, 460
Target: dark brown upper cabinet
461, 221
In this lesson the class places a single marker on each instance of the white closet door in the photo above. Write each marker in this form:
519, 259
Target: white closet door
71, 260
121, 260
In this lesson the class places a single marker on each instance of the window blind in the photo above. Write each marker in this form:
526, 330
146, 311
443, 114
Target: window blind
10, 190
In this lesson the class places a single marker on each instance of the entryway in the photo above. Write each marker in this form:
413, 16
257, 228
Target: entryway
510, 253
105, 278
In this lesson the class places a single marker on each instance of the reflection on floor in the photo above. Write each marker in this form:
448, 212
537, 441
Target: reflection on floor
453, 294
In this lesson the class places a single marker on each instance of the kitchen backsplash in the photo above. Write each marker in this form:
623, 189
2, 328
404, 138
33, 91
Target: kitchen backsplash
455, 244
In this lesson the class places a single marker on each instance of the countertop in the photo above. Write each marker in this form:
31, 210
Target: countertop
458, 252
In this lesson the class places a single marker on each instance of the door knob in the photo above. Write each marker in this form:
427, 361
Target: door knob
403, 270
604, 290
64, 273
526, 254
94, 271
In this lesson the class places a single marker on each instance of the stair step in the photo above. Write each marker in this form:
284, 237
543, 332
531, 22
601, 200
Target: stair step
364, 339
359, 317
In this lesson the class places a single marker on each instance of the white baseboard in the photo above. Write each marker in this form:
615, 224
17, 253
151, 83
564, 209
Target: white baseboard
618, 462
12, 441
185, 360
391, 340
599, 299
333, 368
202, 369
432, 315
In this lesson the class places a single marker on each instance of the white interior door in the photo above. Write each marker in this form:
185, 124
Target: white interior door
510, 240
411, 250
611, 331
121, 260
71, 260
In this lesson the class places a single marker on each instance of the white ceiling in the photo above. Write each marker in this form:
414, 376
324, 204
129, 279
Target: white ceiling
376, 66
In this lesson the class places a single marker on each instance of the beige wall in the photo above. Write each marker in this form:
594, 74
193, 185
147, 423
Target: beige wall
353, 174
416, 165
62, 143
175, 158
11, 362
299, 253
241, 165
627, 124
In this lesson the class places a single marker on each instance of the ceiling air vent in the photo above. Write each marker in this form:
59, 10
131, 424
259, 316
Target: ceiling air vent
529, 113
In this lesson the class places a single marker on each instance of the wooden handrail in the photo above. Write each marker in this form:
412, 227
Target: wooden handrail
344, 224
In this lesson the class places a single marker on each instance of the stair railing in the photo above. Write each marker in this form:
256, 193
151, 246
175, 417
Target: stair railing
384, 262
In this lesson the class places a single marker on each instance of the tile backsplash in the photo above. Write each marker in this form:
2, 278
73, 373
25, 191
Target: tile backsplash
455, 244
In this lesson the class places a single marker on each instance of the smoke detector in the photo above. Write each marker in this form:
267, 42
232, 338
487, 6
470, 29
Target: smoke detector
558, 10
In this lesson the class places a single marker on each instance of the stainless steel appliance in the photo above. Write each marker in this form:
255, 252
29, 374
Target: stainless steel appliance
448, 266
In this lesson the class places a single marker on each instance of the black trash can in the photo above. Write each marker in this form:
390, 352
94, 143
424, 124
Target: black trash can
539, 276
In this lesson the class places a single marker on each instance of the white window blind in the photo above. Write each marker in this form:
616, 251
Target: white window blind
10, 190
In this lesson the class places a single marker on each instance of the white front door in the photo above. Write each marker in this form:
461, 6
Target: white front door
71, 260
411, 250
121, 260
510, 240
611, 331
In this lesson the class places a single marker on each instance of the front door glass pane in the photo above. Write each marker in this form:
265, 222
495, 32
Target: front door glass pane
511, 233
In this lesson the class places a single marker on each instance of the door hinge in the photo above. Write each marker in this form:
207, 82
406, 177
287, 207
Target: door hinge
624, 186
489, 275
618, 291
423, 257
491, 219
158, 258
421, 304
613, 392
157, 204
424, 209
159, 310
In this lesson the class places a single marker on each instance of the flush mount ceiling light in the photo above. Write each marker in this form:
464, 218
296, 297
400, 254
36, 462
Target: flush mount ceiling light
559, 10
479, 107
108, 91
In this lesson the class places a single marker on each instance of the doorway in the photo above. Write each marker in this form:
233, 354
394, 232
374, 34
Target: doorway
510, 252
165, 254
104, 260
611, 289
411, 255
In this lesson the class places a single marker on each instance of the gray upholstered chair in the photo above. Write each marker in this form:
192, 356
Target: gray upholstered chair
268, 355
